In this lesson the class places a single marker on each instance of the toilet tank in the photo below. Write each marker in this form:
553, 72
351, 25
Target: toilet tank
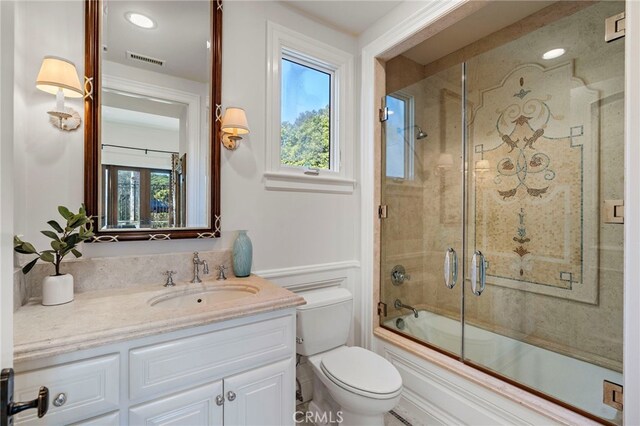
324, 322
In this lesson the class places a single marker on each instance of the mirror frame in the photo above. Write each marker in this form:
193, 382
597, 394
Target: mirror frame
92, 114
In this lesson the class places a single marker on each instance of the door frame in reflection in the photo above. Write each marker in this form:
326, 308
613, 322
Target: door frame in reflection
145, 209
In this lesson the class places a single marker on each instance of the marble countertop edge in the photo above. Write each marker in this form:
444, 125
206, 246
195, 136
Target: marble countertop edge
66, 338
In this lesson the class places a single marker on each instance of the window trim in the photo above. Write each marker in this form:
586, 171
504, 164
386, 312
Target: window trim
285, 43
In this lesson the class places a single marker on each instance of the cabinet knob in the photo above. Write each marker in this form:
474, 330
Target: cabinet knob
220, 399
60, 399
231, 395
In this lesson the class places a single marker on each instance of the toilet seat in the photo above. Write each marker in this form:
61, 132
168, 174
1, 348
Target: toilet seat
362, 372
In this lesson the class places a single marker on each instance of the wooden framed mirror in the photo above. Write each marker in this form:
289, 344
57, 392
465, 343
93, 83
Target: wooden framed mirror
152, 118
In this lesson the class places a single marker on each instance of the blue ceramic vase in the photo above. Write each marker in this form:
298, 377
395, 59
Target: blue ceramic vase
242, 255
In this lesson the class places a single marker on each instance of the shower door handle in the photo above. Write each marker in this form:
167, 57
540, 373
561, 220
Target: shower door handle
478, 268
450, 271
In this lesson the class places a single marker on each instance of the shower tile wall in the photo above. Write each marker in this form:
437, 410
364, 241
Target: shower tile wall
588, 330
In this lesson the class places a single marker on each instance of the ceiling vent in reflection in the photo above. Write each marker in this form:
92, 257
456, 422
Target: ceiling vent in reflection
144, 58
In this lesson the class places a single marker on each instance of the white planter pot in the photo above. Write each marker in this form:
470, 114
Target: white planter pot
57, 289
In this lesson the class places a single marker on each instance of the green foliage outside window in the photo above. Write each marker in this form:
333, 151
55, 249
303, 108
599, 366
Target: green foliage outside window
306, 142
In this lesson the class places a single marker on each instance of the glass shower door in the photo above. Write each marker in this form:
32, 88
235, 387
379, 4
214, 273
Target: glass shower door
422, 187
543, 296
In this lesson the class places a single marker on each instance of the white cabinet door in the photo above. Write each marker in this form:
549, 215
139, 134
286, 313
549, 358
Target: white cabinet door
261, 397
111, 419
87, 388
193, 407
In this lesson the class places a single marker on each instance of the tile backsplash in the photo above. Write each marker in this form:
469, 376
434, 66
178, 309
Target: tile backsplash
119, 272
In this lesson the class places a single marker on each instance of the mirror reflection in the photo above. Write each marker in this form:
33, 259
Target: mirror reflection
154, 132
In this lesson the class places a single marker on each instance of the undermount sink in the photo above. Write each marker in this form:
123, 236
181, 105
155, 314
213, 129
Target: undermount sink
191, 297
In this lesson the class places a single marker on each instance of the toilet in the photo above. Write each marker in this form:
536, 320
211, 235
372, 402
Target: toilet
352, 386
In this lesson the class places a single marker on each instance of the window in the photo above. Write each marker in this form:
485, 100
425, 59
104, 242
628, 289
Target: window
400, 141
309, 114
305, 116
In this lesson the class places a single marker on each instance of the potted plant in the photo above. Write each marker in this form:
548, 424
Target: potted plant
58, 289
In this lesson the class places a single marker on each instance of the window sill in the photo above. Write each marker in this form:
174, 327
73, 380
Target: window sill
279, 181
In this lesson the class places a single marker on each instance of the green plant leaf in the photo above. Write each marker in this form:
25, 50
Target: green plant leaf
28, 247
29, 266
47, 256
21, 250
72, 240
77, 221
51, 235
76, 253
58, 245
55, 225
64, 212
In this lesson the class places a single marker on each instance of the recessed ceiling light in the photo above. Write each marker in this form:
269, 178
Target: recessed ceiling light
140, 20
553, 53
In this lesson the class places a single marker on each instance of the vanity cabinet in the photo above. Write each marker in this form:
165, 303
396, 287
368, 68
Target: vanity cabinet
237, 372
256, 397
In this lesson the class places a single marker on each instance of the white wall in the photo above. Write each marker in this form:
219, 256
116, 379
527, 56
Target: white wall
121, 134
6, 183
287, 228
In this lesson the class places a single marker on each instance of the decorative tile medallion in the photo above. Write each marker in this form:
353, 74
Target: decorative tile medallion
538, 130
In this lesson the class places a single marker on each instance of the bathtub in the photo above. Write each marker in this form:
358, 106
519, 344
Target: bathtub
570, 380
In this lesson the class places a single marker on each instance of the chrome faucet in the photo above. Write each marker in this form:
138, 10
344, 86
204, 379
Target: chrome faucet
196, 268
399, 305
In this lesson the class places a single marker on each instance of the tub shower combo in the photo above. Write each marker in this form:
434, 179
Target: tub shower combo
502, 177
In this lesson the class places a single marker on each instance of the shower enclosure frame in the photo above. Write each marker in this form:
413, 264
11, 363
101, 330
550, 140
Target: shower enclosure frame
425, 21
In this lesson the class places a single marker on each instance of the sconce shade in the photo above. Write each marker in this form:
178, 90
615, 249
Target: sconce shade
445, 161
235, 121
483, 166
57, 73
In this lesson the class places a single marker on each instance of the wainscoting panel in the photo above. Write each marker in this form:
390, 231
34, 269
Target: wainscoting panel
336, 274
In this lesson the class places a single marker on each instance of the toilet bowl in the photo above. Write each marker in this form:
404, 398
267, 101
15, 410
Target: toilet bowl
362, 383
356, 386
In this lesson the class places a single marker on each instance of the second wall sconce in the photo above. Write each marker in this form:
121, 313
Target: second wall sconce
234, 124
59, 77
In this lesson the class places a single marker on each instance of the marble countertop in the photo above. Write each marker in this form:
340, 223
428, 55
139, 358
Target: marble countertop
101, 317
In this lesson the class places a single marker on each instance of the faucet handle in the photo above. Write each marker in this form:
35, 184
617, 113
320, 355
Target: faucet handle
169, 275
205, 267
221, 275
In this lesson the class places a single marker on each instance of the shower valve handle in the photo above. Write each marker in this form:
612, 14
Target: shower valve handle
399, 275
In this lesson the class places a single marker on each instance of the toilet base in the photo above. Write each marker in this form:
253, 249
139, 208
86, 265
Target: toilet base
325, 410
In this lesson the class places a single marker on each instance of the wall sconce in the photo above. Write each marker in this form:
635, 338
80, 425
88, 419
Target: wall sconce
482, 166
234, 123
59, 77
445, 163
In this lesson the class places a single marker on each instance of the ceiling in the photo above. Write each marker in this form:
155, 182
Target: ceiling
180, 37
351, 16
489, 19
